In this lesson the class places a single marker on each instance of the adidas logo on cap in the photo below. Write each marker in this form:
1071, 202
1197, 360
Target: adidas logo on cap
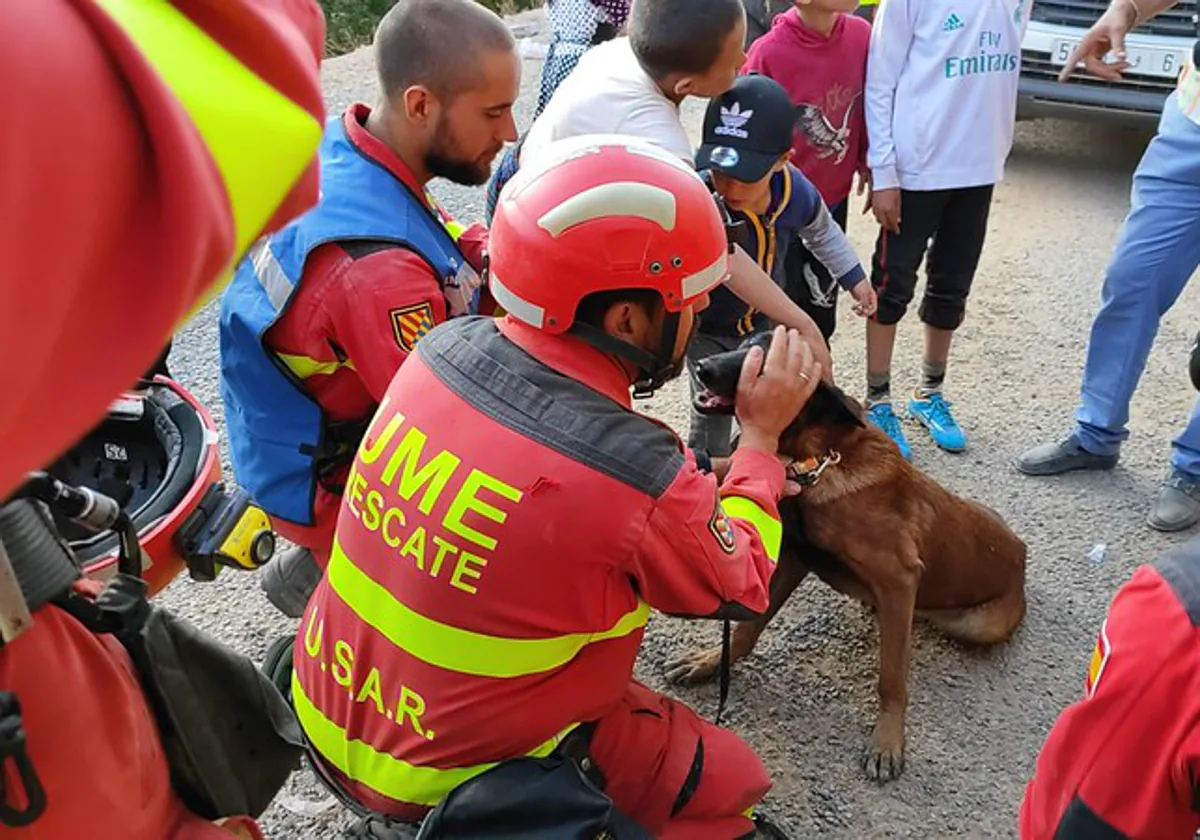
733, 120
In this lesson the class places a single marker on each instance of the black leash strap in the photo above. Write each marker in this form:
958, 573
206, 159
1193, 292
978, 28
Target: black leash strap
723, 670
27, 802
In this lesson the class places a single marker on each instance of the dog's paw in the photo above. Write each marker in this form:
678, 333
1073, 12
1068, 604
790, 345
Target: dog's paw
697, 667
884, 758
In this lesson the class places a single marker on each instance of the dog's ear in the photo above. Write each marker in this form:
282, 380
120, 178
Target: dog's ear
758, 339
853, 411
830, 406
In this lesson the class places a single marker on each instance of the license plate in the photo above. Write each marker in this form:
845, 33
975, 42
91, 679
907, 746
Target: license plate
1144, 61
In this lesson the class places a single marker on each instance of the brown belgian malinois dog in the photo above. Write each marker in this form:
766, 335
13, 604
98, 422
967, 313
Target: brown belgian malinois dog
875, 528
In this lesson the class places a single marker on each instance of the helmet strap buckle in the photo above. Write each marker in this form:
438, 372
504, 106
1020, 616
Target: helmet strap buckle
655, 370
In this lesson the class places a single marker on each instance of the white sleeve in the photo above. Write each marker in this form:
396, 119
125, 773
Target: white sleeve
660, 125
891, 36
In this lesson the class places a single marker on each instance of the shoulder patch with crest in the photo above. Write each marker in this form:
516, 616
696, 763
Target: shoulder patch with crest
410, 324
1100, 656
722, 529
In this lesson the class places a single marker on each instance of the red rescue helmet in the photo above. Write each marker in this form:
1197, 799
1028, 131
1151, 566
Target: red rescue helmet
602, 212
155, 454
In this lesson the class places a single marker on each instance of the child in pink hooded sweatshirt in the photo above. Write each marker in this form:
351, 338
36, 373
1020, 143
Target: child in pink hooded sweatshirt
817, 51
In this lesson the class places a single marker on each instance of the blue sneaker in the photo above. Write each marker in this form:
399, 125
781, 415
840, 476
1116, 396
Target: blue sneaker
881, 415
934, 413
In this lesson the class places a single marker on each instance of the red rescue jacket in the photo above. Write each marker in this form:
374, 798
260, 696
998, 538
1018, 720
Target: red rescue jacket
1124, 761
117, 222
507, 525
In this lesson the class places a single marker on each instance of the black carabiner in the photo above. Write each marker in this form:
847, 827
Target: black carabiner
12, 749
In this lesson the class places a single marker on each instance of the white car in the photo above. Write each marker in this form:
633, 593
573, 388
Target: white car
1157, 52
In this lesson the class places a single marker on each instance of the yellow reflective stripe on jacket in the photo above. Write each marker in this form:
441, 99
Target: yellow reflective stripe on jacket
770, 531
260, 141
306, 366
453, 648
382, 772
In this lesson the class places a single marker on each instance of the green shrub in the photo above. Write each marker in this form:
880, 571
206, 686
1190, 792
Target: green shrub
351, 23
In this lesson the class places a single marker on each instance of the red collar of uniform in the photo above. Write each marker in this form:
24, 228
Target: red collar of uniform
571, 357
355, 121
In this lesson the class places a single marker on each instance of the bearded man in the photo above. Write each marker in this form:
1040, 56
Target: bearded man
320, 316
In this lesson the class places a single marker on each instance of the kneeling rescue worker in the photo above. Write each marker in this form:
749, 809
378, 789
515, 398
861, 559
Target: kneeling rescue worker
1123, 762
321, 314
509, 520
200, 122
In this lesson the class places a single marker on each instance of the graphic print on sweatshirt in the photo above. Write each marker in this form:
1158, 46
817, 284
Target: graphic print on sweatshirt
826, 133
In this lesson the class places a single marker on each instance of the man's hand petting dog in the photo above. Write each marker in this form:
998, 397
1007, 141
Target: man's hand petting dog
772, 391
720, 468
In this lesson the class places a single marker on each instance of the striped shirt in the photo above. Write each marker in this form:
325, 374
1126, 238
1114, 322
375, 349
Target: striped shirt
1189, 87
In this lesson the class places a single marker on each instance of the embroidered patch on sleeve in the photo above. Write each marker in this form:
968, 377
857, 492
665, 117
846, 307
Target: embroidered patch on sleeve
1100, 656
722, 529
410, 324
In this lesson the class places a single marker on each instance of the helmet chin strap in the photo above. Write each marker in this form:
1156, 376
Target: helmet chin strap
654, 370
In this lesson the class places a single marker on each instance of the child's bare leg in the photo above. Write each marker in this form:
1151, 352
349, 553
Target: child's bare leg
937, 345
927, 404
881, 338
937, 355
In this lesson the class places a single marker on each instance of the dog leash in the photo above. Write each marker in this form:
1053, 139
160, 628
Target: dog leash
723, 671
806, 474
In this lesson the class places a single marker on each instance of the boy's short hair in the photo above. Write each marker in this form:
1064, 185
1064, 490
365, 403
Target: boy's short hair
681, 36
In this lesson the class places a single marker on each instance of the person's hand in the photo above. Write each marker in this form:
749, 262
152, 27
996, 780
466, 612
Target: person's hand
886, 204
771, 392
864, 186
790, 487
1106, 35
720, 467
820, 353
865, 300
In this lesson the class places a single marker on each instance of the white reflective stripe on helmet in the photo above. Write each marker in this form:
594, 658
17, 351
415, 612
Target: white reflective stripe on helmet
558, 152
706, 279
514, 305
607, 201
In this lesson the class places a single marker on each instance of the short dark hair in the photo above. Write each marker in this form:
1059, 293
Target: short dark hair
592, 308
681, 36
433, 43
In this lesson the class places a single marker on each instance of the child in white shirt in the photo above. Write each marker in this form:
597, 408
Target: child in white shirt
941, 95
634, 85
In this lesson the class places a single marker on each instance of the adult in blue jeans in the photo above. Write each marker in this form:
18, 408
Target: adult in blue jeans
1157, 252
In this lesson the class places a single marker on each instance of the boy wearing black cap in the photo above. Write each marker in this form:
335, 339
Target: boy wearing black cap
744, 157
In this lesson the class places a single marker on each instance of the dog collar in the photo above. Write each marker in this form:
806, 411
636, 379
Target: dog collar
806, 473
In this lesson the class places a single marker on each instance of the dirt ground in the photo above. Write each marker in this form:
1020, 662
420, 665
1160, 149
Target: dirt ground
806, 698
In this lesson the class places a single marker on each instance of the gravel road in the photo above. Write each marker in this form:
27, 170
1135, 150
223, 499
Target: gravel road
806, 698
